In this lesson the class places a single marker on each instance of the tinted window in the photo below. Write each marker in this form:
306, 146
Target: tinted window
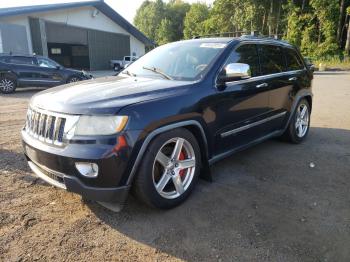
293, 60
271, 59
21, 60
127, 58
246, 54
3, 59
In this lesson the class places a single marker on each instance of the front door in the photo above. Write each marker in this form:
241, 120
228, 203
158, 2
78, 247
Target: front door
49, 72
241, 105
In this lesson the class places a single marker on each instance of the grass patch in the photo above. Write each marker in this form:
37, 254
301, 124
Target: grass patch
332, 63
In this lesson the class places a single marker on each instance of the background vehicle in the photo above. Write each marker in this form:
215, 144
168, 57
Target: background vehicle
26, 71
162, 121
120, 64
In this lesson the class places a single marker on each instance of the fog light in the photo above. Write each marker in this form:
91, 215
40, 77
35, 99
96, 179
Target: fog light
87, 169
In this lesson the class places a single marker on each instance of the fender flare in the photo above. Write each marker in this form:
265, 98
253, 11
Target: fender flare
163, 129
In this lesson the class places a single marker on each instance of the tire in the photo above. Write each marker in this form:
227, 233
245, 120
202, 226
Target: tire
299, 125
7, 85
117, 67
73, 79
158, 171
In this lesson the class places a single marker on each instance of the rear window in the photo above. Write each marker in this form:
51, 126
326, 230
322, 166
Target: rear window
293, 60
271, 59
127, 58
21, 60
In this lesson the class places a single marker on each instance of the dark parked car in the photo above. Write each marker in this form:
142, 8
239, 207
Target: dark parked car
26, 71
160, 124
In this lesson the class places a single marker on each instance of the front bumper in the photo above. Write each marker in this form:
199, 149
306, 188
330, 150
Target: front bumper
57, 167
72, 184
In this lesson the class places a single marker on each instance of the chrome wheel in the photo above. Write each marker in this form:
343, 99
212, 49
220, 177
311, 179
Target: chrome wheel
6, 85
302, 120
174, 168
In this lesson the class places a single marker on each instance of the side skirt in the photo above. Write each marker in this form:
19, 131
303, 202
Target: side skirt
240, 148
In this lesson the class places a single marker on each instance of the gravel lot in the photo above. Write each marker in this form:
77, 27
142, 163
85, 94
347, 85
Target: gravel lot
265, 204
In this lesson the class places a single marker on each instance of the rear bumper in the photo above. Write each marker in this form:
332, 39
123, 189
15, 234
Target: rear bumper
73, 184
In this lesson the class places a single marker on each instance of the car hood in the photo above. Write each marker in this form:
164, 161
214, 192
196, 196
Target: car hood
106, 95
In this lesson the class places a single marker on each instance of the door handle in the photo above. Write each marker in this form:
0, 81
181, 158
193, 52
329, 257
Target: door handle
262, 85
292, 79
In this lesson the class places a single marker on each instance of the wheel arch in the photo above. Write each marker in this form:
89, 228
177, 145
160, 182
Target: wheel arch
194, 127
304, 94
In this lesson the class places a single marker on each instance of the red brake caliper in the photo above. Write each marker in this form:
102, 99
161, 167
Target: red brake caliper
182, 157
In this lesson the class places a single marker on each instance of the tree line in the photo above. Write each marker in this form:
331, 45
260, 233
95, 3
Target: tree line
320, 28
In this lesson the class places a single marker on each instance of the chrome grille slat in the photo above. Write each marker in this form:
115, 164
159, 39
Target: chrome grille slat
46, 127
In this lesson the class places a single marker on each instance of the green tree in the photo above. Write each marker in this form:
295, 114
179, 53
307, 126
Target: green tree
149, 16
194, 20
164, 32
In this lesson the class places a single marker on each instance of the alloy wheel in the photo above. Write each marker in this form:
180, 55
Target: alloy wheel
6, 85
174, 168
73, 80
302, 120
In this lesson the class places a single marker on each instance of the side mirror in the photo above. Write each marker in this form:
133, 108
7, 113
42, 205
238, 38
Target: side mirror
58, 67
310, 65
234, 71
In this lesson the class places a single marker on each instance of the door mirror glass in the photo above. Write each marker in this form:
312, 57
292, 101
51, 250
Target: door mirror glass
235, 71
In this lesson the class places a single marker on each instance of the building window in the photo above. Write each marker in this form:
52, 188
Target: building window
56, 51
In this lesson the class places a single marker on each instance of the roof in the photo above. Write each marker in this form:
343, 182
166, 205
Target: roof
98, 4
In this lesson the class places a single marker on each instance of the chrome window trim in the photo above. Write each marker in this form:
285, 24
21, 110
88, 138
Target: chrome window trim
243, 128
256, 78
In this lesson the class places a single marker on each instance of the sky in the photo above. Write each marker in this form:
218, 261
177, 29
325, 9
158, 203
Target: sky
126, 8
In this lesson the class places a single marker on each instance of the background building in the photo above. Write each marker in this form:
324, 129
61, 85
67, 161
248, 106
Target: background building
79, 35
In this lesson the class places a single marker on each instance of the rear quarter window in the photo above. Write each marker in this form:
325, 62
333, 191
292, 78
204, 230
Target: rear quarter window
293, 60
271, 59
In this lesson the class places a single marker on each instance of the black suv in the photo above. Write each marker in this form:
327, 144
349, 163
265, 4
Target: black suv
38, 71
160, 124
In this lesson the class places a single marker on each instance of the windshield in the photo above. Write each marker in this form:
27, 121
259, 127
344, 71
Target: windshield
184, 61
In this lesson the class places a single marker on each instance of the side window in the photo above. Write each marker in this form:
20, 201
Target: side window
246, 54
271, 59
21, 60
42, 62
127, 58
293, 60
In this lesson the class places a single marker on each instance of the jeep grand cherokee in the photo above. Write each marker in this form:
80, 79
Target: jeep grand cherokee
160, 124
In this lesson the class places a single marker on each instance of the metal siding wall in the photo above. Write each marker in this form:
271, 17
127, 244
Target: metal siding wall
14, 39
35, 31
104, 46
64, 34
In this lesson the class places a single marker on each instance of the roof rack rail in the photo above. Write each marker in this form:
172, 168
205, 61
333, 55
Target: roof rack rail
243, 34
224, 34
16, 54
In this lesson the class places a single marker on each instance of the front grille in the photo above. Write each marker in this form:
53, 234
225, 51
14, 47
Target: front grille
46, 127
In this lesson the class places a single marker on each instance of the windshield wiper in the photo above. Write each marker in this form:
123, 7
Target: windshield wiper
158, 71
127, 72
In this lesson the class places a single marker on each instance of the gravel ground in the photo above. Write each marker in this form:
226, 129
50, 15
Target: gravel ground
265, 204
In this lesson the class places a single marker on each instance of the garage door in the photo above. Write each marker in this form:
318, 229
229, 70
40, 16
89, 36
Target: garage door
104, 46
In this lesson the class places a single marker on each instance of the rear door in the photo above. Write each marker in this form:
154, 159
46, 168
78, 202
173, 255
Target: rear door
241, 105
273, 68
25, 69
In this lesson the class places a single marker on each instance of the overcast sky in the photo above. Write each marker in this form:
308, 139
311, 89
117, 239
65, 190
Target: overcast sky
126, 8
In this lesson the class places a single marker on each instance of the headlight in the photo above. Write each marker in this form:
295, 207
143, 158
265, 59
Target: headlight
100, 125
